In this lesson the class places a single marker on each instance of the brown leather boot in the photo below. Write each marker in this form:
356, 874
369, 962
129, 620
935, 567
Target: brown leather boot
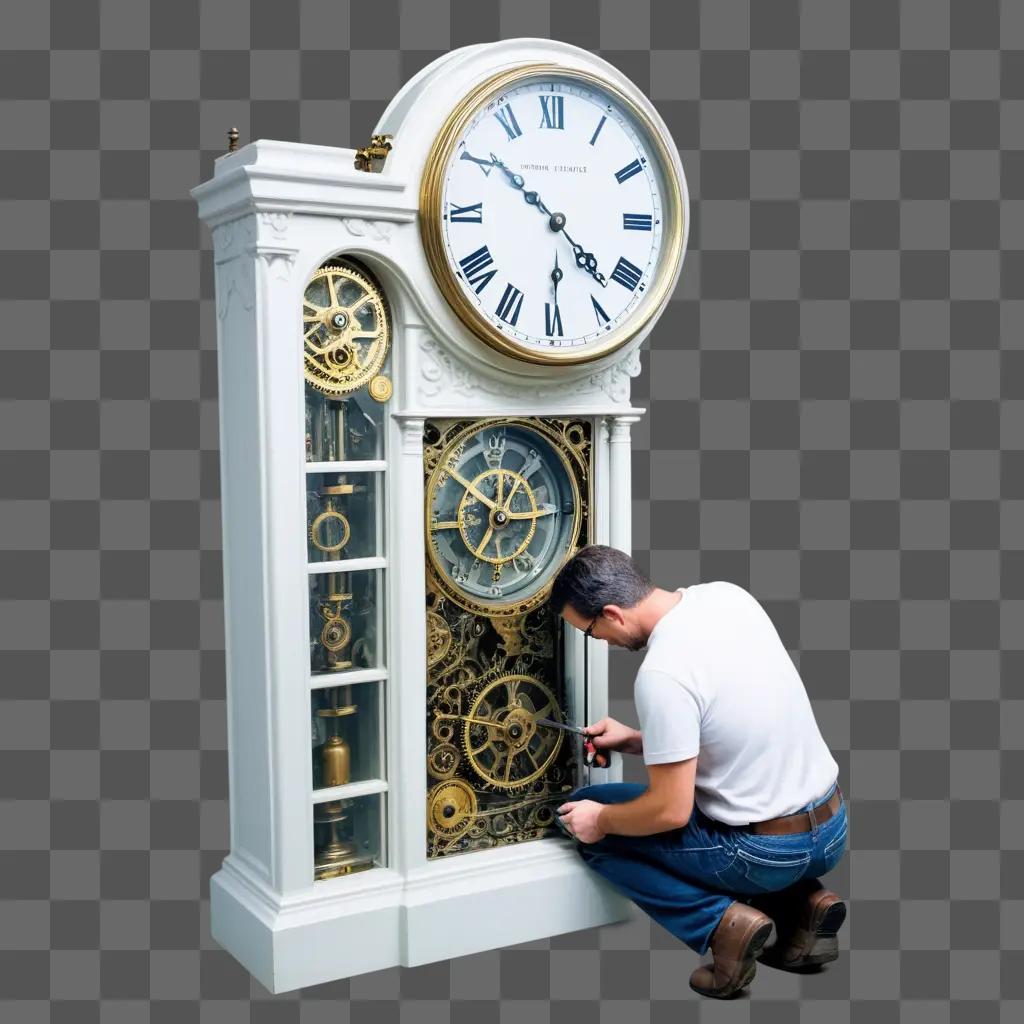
737, 940
807, 917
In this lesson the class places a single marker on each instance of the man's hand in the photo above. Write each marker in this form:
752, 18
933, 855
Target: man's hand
609, 734
580, 818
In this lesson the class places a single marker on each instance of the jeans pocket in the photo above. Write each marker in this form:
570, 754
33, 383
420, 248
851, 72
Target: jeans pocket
833, 852
753, 872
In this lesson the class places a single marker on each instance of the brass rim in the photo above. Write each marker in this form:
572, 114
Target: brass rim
433, 241
318, 523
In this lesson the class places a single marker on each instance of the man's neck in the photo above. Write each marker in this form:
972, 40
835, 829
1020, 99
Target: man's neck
654, 607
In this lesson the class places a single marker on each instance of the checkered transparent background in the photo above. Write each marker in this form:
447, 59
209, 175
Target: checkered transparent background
836, 422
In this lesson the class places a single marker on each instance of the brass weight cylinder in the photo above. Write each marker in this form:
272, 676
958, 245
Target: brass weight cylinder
336, 761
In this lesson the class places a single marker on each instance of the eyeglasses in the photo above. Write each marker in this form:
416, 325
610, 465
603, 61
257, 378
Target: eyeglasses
589, 631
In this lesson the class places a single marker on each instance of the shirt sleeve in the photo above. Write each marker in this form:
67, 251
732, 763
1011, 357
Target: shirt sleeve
669, 717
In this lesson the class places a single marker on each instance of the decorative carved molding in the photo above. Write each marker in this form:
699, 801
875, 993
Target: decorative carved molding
278, 261
379, 230
233, 238
412, 435
614, 380
276, 222
235, 277
441, 371
620, 428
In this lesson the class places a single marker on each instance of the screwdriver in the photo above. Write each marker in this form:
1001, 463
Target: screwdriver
594, 757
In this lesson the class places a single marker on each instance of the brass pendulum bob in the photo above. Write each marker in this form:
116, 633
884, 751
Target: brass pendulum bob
335, 753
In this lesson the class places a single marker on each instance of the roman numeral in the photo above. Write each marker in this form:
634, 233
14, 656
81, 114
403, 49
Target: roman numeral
551, 111
552, 323
626, 274
602, 316
485, 165
474, 267
470, 214
510, 305
628, 171
597, 130
508, 121
636, 221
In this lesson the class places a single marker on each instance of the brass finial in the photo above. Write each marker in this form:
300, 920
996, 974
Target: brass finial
232, 140
378, 149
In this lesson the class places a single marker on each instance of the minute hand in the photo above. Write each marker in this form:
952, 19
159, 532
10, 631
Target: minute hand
556, 221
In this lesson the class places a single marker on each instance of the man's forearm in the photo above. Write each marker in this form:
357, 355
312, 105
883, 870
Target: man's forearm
636, 743
643, 816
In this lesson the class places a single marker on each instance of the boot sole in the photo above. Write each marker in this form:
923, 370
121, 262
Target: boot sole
824, 949
754, 947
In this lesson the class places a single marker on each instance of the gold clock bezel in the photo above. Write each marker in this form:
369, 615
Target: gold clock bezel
433, 240
470, 602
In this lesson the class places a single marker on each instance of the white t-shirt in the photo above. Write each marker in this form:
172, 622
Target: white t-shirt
718, 682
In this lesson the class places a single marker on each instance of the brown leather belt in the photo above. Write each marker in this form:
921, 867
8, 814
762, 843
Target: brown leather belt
802, 821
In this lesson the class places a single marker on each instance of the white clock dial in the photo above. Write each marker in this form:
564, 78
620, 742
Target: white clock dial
552, 207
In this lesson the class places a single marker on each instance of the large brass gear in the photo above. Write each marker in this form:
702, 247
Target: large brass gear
451, 808
346, 330
498, 518
497, 513
500, 736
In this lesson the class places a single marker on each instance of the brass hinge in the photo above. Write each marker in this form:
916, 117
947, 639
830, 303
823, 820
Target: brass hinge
378, 149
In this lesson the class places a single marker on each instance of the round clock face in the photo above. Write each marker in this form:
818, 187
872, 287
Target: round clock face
503, 513
558, 218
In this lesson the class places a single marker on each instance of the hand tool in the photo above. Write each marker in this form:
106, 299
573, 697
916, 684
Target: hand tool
594, 757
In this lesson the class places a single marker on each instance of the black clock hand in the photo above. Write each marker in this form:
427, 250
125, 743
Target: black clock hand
556, 276
584, 260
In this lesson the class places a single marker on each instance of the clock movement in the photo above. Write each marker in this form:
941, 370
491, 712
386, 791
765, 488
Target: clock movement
425, 348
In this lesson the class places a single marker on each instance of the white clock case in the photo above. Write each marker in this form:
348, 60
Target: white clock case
276, 212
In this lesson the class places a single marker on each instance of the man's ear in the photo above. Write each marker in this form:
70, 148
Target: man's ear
614, 613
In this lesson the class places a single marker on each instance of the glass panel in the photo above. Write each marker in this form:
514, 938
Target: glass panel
346, 620
346, 734
351, 427
342, 516
347, 836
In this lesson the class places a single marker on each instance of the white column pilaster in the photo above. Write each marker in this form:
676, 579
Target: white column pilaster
407, 671
286, 630
620, 513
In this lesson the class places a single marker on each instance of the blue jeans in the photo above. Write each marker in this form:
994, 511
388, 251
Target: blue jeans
687, 878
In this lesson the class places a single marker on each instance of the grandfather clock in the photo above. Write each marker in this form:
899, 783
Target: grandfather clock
425, 354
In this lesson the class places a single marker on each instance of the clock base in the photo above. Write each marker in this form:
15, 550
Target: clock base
374, 920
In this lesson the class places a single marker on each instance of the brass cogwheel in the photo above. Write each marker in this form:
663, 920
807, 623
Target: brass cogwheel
500, 518
335, 634
439, 638
443, 760
451, 808
346, 330
501, 738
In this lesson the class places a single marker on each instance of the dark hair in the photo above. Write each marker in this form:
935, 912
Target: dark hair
598, 575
